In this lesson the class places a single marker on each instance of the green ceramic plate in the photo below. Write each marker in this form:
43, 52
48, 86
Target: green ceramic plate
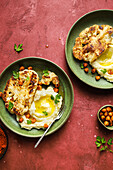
95, 17
65, 89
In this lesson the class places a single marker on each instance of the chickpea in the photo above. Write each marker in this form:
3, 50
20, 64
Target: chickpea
103, 110
30, 68
106, 123
86, 70
33, 120
106, 114
110, 113
27, 115
40, 83
20, 82
109, 109
22, 68
39, 87
55, 90
111, 123
112, 118
93, 70
1, 94
56, 85
21, 120
85, 64
45, 125
101, 113
97, 78
108, 118
103, 118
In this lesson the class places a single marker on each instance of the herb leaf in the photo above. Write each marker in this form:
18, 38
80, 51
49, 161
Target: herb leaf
46, 73
110, 141
104, 71
81, 65
103, 140
98, 144
27, 78
45, 113
28, 121
15, 75
103, 148
98, 138
19, 48
10, 106
57, 97
52, 97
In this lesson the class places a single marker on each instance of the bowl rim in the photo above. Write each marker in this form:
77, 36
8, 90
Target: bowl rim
1, 127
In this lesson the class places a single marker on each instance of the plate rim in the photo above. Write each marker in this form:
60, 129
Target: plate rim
69, 110
71, 28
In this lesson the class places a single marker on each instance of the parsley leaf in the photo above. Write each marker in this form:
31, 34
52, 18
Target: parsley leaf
104, 71
98, 138
81, 65
45, 113
103, 148
15, 75
110, 141
103, 140
28, 121
27, 78
98, 144
52, 97
19, 48
46, 73
10, 106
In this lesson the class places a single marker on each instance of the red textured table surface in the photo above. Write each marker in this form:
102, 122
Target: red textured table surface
37, 23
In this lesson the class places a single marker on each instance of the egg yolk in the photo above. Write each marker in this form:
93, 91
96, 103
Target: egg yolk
45, 106
105, 58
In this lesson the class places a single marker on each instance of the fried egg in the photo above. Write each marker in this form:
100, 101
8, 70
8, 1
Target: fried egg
104, 64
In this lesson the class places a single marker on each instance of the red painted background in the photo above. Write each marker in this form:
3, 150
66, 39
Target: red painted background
36, 24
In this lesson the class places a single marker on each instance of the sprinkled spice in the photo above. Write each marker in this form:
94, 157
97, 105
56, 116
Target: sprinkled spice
3, 142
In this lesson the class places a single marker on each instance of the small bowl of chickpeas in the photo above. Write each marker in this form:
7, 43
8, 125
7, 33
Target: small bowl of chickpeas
105, 116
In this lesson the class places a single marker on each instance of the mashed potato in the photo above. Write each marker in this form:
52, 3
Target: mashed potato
44, 109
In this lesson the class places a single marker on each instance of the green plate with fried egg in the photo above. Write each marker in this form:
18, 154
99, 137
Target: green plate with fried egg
98, 17
65, 90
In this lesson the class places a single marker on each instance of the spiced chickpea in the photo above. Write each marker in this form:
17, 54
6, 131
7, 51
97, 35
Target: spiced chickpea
33, 120
106, 114
93, 70
110, 113
1, 94
56, 90
22, 68
39, 87
109, 109
106, 123
112, 118
97, 78
101, 113
21, 120
86, 70
108, 118
103, 110
40, 83
27, 115
30, 68
85, 64
103, 118
20, 82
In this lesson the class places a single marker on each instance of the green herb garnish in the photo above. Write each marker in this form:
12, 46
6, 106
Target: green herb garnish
45, 113
46, 73
28, 121
52, 97
15, 75
101, 142
81, 65
57, 97
10, 106
27, 78
104, 71
19, 48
